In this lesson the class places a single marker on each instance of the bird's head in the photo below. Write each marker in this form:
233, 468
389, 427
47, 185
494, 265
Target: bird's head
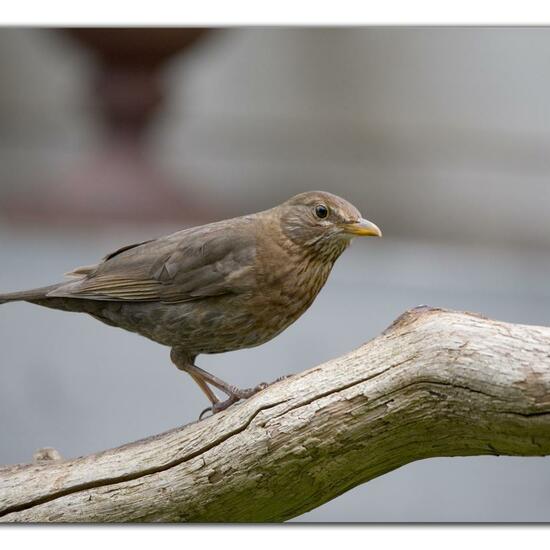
323, 221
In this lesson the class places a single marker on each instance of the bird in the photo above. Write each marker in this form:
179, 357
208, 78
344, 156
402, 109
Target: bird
214, 288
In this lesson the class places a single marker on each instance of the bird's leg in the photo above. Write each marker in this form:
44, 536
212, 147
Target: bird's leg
205, 388
229, 389
234, 394
182, 360
219, 406
185, 362
222, 405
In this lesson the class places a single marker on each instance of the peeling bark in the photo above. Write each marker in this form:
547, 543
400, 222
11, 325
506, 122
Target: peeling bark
435, 383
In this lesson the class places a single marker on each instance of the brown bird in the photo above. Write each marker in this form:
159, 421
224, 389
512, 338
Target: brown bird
218, 287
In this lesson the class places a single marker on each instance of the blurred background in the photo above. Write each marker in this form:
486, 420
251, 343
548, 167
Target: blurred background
439, 135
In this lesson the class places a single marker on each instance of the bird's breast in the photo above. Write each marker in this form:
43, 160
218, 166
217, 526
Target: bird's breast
289, 290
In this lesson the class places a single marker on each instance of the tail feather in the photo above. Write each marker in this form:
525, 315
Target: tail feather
26, 295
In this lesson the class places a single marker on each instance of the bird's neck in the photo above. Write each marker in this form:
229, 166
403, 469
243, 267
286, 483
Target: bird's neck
325, 250
308, 265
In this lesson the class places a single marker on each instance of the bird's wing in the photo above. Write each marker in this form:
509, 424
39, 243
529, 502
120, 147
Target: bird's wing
205, 261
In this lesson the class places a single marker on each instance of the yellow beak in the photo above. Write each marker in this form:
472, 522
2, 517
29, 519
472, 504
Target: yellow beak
362, 228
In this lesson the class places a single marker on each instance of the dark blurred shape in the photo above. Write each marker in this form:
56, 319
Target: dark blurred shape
121, 184
127, 88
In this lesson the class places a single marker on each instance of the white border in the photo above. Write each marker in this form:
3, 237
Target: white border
282, 12
240, 12
218, 537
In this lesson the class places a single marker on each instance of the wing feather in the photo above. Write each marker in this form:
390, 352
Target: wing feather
210, 260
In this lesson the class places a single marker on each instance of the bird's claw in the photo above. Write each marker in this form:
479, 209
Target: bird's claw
220, 406
249, 392
208, 409
236, 395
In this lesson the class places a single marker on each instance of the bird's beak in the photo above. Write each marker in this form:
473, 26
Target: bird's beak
362, 228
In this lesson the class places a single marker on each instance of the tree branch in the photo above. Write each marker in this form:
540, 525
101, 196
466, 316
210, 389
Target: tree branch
435, 383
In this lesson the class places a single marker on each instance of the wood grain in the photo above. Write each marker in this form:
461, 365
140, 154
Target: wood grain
435, 383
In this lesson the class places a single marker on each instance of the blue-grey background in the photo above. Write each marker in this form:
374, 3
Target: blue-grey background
440, 136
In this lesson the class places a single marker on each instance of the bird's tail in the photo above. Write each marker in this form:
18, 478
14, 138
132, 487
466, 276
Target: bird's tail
27, 295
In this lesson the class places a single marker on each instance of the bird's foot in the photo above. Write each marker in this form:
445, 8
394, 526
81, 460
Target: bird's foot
219, 406
264, 385
236, 394
248, 392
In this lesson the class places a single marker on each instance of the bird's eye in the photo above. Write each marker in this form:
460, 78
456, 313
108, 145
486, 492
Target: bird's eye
321, 211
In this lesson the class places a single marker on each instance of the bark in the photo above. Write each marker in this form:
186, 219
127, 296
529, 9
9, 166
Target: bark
435, 383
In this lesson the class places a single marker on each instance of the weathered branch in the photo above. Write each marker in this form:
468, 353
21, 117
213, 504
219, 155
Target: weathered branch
435, 383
